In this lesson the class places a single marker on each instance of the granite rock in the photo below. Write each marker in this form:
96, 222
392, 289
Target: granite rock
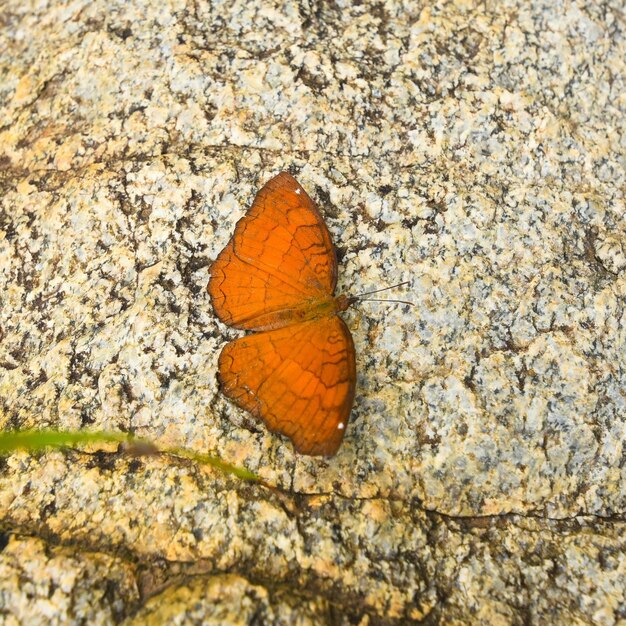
49, 585
475, 150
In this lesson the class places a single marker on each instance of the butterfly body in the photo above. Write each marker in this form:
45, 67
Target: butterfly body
276, 277
310, 310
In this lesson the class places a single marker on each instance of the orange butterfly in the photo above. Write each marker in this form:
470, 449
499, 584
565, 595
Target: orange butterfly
277, 276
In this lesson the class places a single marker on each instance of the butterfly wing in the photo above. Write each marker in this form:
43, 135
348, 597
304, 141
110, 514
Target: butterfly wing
280, 257
299, 380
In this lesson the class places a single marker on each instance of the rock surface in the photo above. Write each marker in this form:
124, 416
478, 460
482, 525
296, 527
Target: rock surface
476, 150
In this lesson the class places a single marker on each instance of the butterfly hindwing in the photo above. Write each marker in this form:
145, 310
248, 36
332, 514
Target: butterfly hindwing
299, 380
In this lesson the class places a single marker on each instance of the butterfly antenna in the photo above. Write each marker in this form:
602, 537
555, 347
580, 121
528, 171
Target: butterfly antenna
394, 301
369, 293
360, 297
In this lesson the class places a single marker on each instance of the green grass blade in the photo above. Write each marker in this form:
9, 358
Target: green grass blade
32, 440
39, 439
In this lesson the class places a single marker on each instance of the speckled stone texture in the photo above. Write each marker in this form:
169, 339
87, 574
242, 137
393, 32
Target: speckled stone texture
475, 149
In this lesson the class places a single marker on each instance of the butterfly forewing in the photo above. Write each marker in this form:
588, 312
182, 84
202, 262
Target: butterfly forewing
280, 257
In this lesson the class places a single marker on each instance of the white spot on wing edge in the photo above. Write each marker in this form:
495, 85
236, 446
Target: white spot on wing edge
298, 191
340, 426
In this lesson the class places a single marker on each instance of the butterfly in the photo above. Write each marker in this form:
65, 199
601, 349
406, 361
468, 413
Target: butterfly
276, 277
